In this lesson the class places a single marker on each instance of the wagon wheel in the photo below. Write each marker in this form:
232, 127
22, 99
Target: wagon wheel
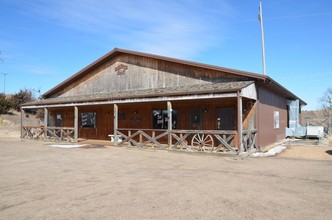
202, 142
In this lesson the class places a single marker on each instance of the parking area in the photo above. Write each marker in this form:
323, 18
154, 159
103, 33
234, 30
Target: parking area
101, 182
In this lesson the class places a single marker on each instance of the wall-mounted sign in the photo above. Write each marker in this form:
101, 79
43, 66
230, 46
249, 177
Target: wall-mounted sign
121, 69
88, 119
160, 119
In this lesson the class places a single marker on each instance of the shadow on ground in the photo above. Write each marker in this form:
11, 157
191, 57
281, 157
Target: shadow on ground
329, 152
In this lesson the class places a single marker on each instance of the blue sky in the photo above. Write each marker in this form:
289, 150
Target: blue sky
44, 42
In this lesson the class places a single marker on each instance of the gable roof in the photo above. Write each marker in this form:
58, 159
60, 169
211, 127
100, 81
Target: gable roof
117, 51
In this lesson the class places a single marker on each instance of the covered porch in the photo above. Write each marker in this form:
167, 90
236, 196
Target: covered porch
220, 122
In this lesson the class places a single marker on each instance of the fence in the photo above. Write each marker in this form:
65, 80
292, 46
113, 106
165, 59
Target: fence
188, 140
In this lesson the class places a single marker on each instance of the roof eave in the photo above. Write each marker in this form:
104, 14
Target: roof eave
292, 95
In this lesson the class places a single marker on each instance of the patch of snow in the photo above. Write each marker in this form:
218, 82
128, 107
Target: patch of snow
271, 152
67, 145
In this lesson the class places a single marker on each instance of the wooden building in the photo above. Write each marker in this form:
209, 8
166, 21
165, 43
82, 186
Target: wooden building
150, 100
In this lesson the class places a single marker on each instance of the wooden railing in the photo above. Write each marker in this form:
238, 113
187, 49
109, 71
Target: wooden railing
186, 140
60, 133
249, 140
53, 133
33, 132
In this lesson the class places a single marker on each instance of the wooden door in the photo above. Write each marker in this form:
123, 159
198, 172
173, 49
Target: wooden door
225, 119
196, 119
58, 119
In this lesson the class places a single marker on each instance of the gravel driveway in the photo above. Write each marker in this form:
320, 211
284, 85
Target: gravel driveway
41, 182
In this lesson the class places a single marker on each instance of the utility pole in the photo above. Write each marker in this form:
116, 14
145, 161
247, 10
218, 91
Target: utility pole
260, 17
4, 82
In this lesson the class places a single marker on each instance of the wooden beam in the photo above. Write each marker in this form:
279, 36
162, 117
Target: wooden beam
22, 115
239, 122
75, 123
45, 122
115, 123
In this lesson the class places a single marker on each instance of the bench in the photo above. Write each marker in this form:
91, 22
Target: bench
111, 136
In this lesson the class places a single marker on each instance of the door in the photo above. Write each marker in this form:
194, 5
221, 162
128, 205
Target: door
196, 119
225, 119
58, 119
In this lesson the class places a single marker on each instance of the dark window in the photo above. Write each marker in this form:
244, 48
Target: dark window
88, 119
160, 119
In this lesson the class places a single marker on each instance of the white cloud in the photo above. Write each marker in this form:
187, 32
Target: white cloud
180, 28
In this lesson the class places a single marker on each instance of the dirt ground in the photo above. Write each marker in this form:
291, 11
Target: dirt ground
41, 182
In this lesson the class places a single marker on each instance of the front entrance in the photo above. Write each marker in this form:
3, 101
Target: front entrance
225, 119
58, 120
196, 119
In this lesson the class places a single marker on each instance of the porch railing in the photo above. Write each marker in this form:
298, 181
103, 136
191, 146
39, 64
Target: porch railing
249, 140
188, 140
53, 133
33, 132
60, 133
185, 140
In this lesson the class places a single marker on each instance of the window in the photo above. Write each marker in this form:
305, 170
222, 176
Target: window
160, 119
88, 119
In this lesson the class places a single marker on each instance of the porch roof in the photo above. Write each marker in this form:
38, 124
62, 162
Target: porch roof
208, 88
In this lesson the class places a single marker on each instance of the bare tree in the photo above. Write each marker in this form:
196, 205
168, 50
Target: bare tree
326, 102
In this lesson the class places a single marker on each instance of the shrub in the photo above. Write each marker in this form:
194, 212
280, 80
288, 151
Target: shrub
23, 96
5, 104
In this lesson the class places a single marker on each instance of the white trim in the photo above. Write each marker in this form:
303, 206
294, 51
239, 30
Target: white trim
249, 92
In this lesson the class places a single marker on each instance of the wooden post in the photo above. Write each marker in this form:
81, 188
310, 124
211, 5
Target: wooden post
115, 123
22, 115
153, 136
169, 113
239, 122
140, 137
45, 122
75, 123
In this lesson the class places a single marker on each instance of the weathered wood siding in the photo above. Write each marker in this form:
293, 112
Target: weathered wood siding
141, 73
